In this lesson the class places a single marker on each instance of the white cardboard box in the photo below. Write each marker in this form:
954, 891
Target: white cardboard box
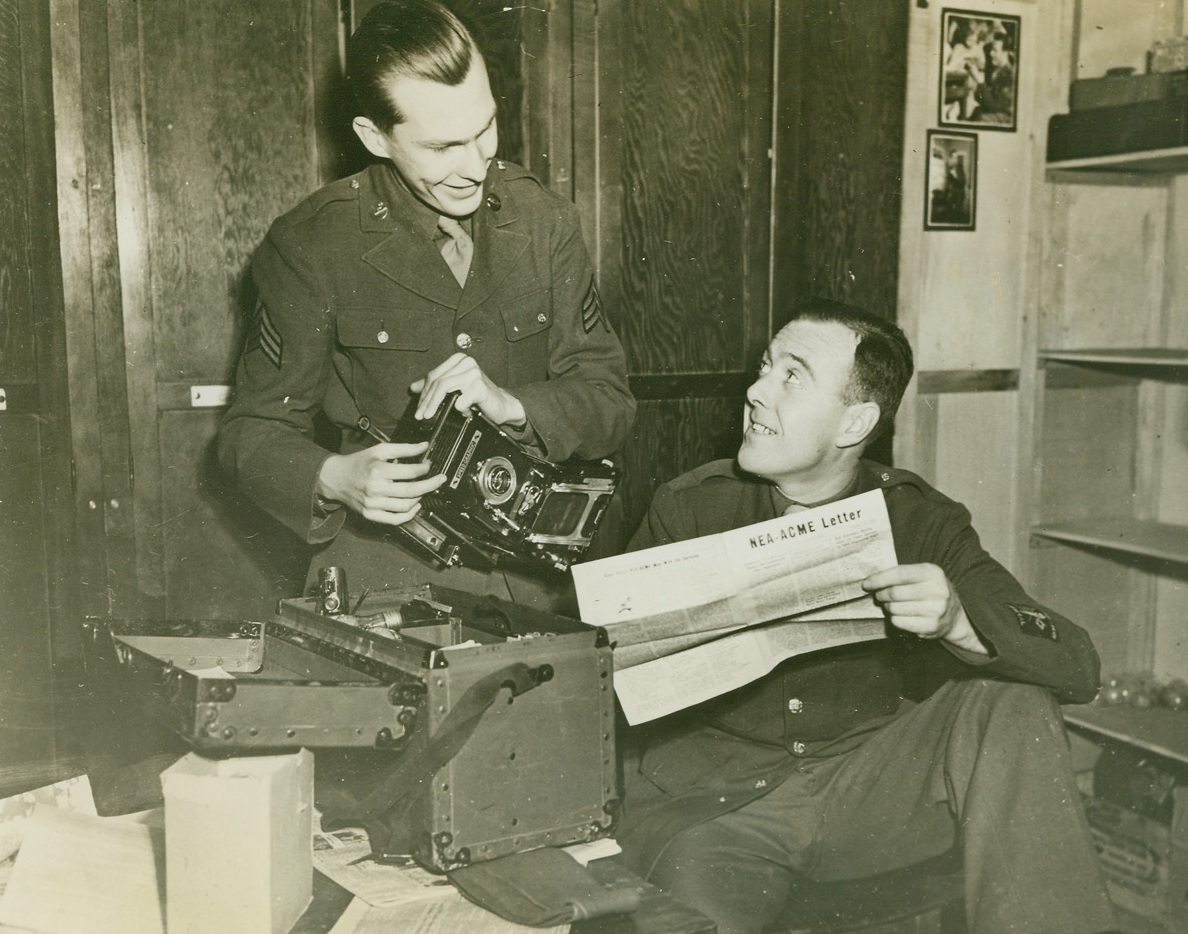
238, 843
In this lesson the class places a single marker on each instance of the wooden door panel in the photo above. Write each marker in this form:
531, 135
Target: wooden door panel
228, 133
680, 122
674, 436
37, 577
691, 155
223, 110
24, 584
838, 144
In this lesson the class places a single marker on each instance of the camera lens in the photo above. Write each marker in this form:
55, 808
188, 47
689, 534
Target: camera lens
499, 481
496, 479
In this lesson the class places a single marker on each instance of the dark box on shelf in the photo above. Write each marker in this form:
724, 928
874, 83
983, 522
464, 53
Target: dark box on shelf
1120, 90
538, 769
1109, 131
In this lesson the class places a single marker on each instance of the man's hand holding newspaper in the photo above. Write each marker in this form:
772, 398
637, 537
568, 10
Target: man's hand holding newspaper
697, 618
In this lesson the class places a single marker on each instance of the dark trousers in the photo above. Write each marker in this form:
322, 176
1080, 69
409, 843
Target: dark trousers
980, 764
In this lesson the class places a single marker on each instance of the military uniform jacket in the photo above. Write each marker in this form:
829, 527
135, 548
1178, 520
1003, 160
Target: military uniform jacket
718, 755
356, 303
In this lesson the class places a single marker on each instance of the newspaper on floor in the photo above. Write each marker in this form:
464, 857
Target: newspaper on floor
70, 794
694, 619
78, 872
345, 856
435, 917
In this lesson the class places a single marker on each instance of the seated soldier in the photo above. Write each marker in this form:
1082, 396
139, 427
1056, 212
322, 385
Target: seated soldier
826, 768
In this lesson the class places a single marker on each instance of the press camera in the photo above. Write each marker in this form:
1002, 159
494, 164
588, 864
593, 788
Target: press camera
500, 505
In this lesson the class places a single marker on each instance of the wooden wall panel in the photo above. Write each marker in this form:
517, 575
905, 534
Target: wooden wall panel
974, 468
672, 131
689, 104
843, 68
35, 488
671, 437
17, 362
228, 134
24, 585
218, 124
36, 528
1112, 272
1086, 452
1094, 591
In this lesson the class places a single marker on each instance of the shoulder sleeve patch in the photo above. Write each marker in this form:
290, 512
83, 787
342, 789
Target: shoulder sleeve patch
265, 336
1035, 622
592, 309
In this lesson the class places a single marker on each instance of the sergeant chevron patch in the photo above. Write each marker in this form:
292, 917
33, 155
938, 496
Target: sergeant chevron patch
266, 336
592, 309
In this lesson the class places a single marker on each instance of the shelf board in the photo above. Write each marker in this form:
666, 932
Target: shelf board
1131, 536
1148, 162
1152, 729
1128, 356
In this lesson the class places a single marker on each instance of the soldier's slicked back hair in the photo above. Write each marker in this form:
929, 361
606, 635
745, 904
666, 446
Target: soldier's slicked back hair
405, 38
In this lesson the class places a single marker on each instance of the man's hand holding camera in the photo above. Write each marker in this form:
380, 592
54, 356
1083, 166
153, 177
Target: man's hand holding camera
382, 483
462, 374
385, 482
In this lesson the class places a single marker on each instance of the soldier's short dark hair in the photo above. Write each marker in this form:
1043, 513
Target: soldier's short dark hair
883, 362
405, 38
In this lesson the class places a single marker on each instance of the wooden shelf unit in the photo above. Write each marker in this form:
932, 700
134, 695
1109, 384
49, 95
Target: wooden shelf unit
1172, 358
1156, 730
1109, 545
1161, 540
1150, 162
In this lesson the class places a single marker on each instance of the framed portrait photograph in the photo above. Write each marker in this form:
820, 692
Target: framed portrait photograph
979, 79
951, 191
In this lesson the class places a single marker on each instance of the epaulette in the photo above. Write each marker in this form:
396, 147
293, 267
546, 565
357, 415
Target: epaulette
342, 189
888, 477
723, 469
511, 172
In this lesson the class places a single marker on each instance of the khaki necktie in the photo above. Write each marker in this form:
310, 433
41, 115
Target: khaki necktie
456, 247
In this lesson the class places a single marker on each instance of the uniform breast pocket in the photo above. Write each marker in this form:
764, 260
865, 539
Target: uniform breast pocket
527, 323
409, 328
382, 351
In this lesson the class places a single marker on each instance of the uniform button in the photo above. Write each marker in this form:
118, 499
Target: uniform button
464, 341
798, 748
795, 705
542, 317
886, 477
493, 202
382, 337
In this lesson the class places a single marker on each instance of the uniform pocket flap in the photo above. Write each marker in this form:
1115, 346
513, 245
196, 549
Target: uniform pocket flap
527, 314
388, 328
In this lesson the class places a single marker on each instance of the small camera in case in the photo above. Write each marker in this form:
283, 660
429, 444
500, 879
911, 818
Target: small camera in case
500, 505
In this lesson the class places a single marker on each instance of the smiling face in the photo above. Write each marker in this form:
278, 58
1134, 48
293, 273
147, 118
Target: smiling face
446, 142
798, 430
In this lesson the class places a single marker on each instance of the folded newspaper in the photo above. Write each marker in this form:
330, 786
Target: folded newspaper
694, 619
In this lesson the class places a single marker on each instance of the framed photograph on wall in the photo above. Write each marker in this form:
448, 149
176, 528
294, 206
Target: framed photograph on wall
979, 78
951, 190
